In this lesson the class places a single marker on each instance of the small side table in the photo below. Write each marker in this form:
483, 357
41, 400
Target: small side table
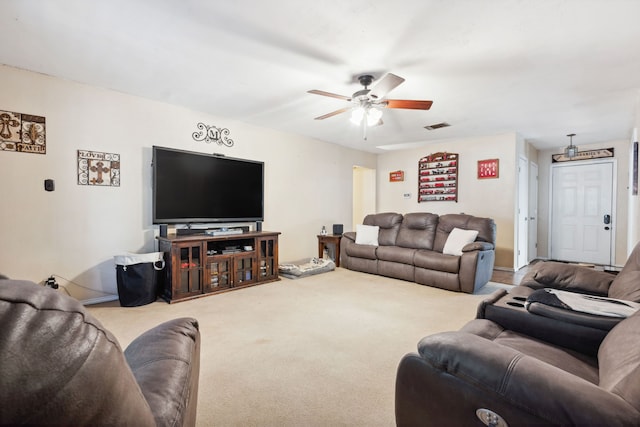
330, 239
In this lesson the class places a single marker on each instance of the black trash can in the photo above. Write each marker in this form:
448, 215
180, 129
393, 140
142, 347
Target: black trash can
138, 276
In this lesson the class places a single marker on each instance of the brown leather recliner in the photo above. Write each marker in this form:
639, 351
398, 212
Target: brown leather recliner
517, 310
456, 378
59, 365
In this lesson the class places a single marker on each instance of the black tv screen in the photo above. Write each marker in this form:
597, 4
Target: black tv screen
191, 187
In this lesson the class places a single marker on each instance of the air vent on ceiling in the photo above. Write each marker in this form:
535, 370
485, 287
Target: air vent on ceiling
437, 126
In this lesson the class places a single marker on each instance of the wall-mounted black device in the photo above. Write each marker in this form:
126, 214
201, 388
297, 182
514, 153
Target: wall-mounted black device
49, 185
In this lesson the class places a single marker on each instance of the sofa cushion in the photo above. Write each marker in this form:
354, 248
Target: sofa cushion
361, 251
417, 230
486, 228
60, 365
436, 261
458, 239
570, 277
626, 285
367, 234
389, 224
619, 360
396, 254
570, 361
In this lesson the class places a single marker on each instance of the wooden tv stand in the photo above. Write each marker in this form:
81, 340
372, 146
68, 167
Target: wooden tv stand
199, 265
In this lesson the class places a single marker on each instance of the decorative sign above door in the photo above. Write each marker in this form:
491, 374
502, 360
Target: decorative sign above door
583, 155
23, 133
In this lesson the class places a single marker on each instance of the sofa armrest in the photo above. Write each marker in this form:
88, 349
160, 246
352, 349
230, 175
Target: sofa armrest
165, 361
478, 246
491, 299
351, 235
558, 275
457, 373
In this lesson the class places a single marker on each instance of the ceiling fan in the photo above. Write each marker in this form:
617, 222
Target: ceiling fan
366, 103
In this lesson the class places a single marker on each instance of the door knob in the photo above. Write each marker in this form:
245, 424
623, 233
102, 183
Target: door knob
607, 219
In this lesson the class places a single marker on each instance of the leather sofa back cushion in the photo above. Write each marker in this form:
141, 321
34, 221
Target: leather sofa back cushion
619, 361
417, 231
626, 285
389, 224
59, 365
562, 276
486, 228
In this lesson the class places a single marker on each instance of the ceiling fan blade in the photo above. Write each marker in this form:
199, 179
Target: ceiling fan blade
332, 95
408, 104
386, 85
333, 113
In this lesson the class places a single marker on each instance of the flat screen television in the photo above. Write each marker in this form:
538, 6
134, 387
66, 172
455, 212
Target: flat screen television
190, 187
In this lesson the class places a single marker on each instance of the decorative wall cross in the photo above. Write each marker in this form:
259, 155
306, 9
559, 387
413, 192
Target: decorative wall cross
97, 168
210, 134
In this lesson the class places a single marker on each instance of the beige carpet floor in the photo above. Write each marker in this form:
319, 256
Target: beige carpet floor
317, 351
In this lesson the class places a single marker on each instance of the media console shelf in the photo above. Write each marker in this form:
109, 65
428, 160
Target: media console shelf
201, 265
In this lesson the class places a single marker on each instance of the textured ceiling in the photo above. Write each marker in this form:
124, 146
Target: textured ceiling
541, 68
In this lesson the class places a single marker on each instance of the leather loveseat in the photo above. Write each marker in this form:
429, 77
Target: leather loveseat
410, 247
489, 372
60, 366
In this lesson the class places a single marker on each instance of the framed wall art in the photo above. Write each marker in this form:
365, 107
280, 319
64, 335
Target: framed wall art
438, 178
489, 168
23, 133
98, 168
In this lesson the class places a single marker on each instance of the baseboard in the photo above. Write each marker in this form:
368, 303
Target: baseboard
98, 300
510, 270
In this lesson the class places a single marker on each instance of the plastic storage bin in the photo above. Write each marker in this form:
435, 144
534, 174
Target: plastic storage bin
138, 277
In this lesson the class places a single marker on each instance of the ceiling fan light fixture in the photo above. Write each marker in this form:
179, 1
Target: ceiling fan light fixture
373, 116
357, 114
571, 150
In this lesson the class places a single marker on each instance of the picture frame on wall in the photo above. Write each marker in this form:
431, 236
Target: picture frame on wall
489, 168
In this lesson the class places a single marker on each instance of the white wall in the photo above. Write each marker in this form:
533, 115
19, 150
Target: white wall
493, 198
75, 231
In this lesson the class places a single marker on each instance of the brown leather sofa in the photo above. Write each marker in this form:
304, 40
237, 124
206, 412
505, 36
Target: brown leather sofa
487, 371
410, 248
60, 366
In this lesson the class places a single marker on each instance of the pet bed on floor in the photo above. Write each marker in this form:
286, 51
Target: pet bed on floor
306, 267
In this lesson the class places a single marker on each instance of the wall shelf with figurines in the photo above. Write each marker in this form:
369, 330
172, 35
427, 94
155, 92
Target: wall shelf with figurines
438, 178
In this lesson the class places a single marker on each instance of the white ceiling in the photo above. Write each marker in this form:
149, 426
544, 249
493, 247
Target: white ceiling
542, 68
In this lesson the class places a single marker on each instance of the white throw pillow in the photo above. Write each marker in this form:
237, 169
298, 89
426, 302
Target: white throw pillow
367, 234
457, 240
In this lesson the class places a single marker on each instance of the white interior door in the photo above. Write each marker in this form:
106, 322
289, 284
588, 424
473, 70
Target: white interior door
582, 201
533, 212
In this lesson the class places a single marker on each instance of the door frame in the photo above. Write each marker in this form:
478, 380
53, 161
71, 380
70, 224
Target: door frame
533, 211
522, 214
614, 202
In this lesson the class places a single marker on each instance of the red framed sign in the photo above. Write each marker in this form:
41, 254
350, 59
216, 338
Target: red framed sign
396, 176
489, 168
